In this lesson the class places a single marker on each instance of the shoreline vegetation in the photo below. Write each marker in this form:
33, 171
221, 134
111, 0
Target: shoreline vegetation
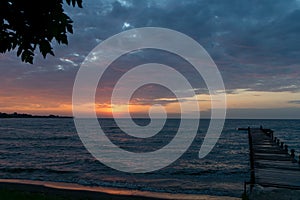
24, 115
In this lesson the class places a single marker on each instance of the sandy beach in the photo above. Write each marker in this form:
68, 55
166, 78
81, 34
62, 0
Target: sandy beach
76, 191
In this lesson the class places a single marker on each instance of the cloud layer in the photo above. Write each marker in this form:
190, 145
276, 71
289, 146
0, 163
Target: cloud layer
255, 44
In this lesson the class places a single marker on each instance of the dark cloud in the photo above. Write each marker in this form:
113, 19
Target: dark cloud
254, 43
265, 113
251, 41
294, 102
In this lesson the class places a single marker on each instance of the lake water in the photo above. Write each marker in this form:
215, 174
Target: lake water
51, 150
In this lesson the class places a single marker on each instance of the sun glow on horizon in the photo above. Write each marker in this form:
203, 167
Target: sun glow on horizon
239, 99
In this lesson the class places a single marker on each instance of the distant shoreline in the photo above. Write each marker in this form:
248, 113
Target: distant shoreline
23, 115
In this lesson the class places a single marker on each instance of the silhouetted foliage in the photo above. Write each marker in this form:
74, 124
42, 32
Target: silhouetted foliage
28, 24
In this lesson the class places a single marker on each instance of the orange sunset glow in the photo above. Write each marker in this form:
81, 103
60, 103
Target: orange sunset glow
43, 105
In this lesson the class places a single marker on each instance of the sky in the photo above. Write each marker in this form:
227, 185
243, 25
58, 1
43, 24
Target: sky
255, 45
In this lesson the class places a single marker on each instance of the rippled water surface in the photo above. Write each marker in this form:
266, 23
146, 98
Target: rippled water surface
50, 149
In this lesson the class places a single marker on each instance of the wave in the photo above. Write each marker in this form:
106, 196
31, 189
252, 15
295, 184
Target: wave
31, 170
34, 138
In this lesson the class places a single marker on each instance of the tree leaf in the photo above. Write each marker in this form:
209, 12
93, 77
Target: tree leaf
25, 26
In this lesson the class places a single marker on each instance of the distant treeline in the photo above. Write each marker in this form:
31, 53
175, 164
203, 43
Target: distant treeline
17, 115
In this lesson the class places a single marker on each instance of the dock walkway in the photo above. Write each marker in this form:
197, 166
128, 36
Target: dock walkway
271, 163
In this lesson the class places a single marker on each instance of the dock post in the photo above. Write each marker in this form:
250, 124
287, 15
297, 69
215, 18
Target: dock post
278, 141
293, 153
281, 144
275, 139
286, 148
272, 135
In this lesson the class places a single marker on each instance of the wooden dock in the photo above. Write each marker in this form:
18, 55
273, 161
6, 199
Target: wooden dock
271, 163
